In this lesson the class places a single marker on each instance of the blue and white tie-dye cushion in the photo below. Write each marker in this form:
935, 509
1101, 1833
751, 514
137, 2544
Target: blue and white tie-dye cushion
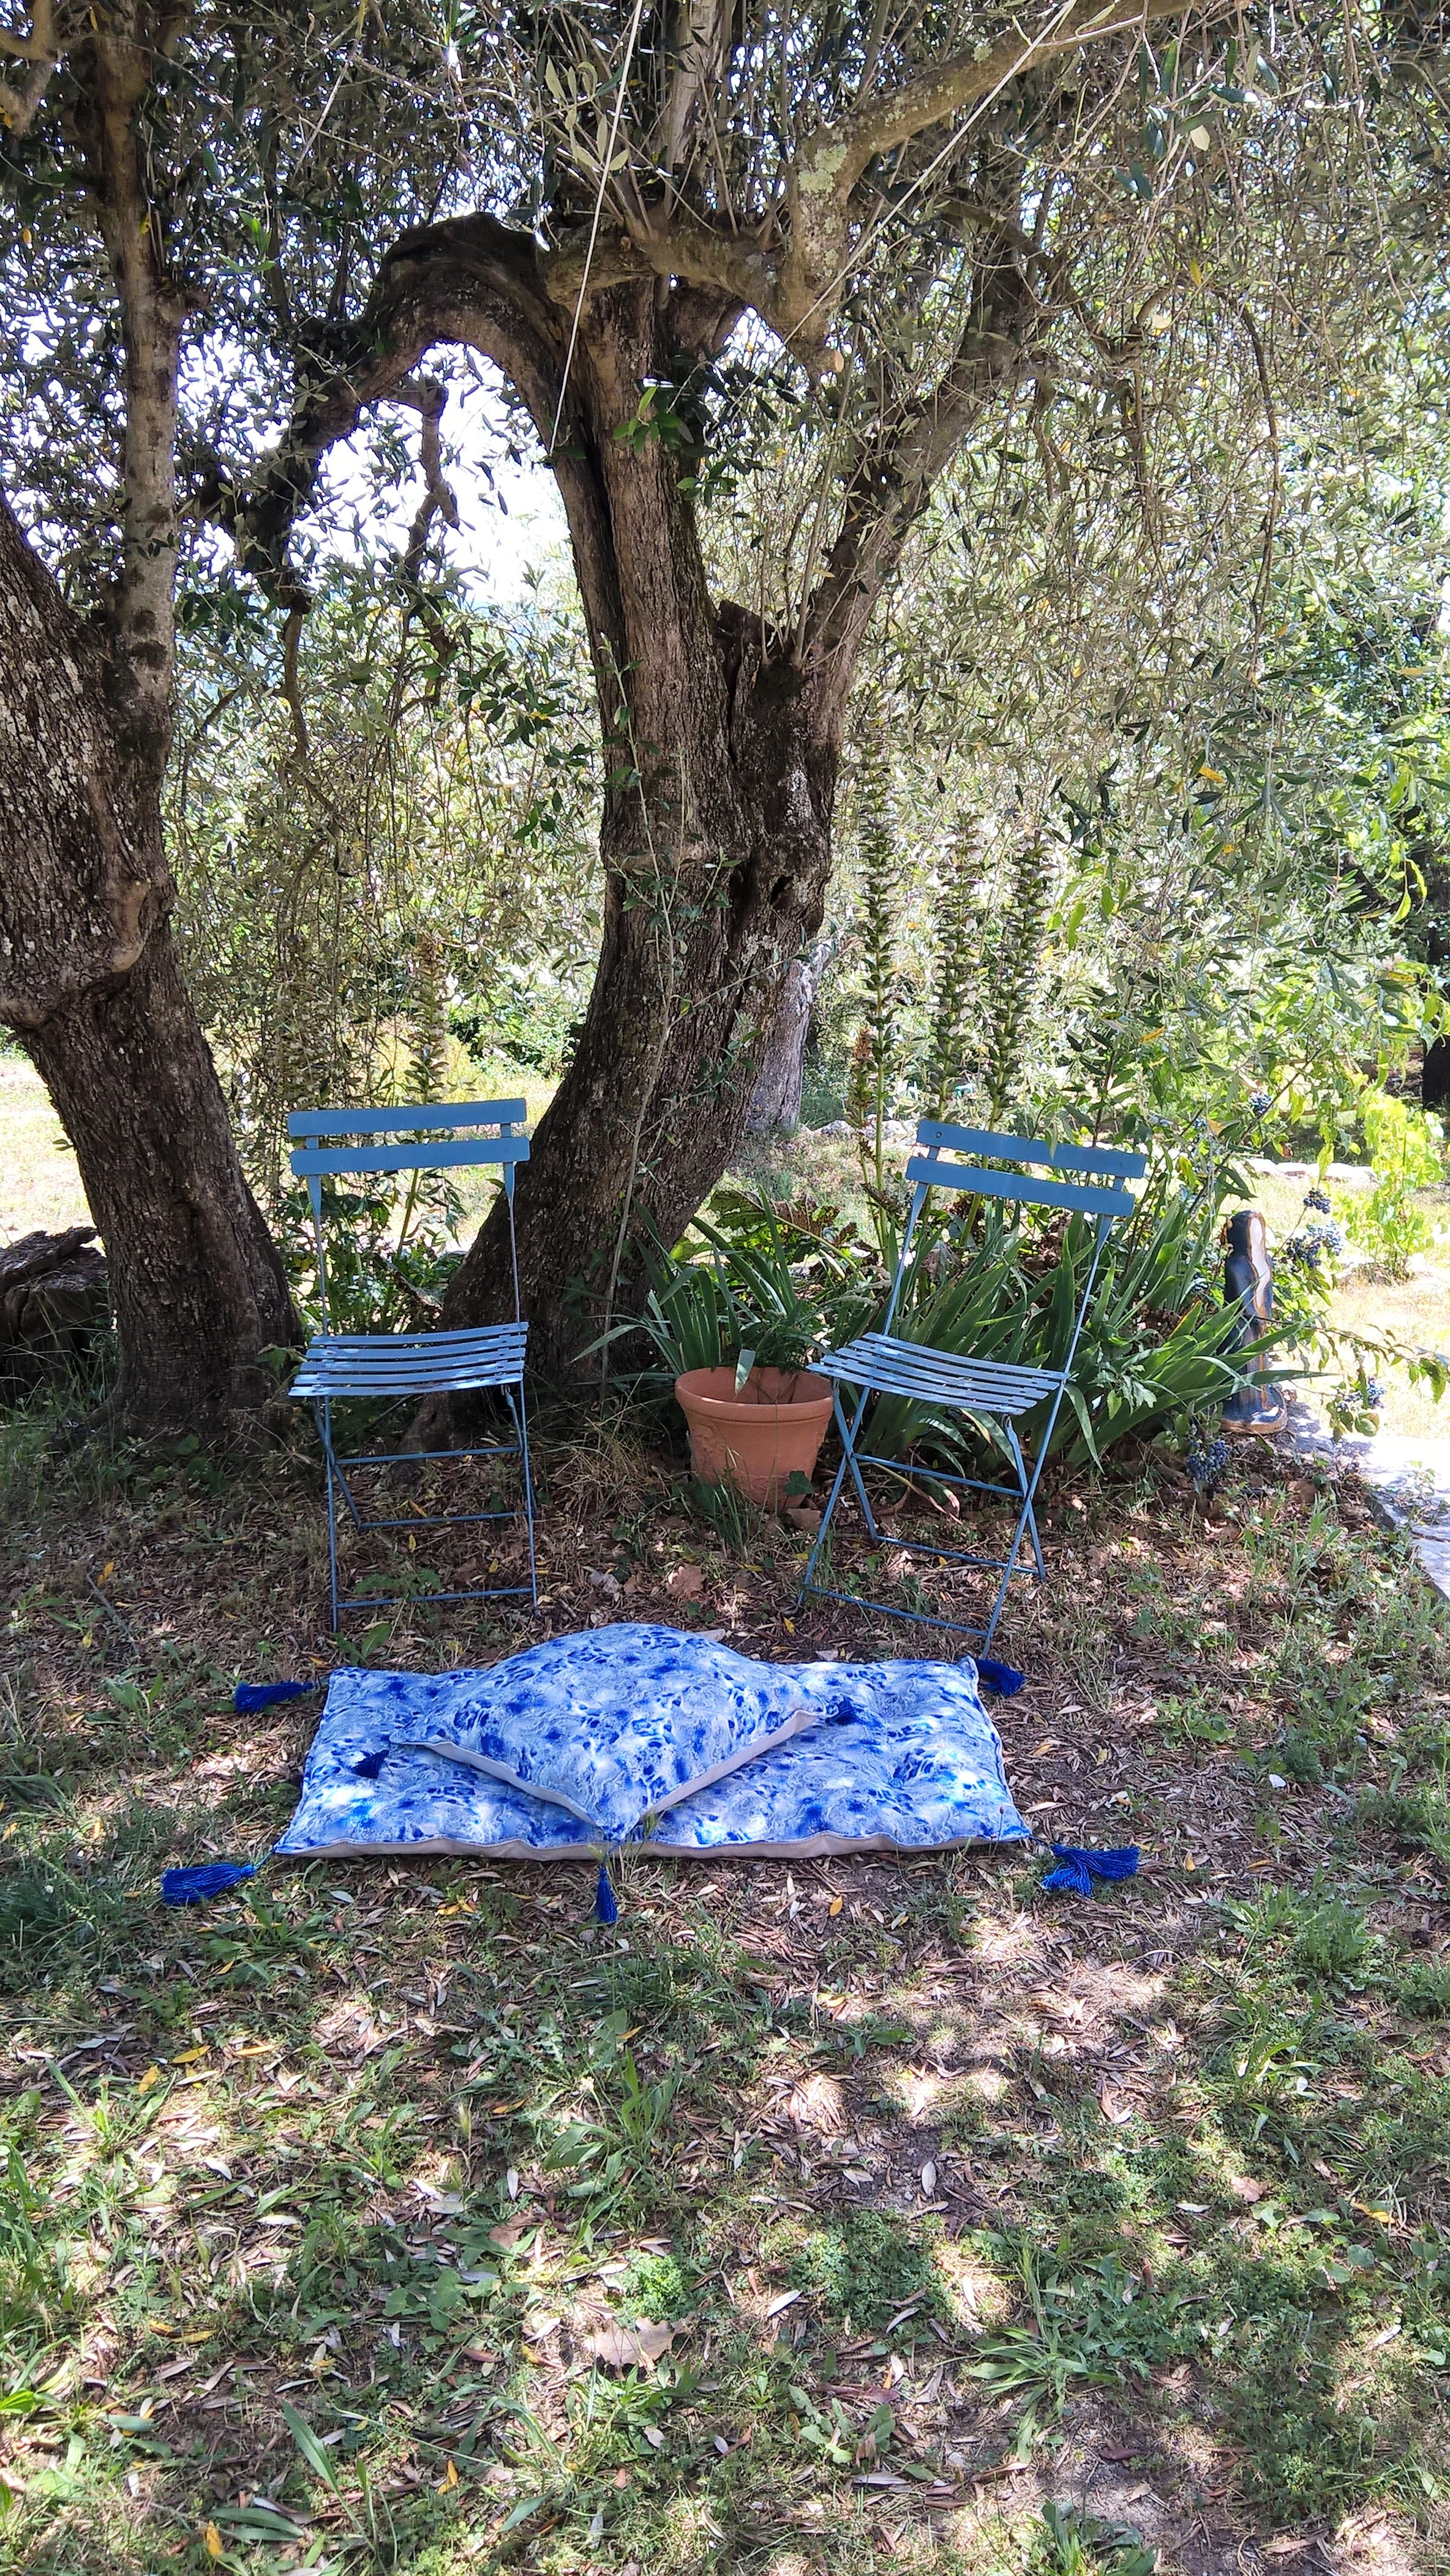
643, 1733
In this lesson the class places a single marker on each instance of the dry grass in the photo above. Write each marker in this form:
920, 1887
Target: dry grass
40, 1184
319, 2146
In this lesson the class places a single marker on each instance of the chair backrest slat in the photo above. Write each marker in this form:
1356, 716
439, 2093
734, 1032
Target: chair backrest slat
418, 1122
934, 1172
410, 1158
933, 1168
1102, 1160
414, 1120
429, 1147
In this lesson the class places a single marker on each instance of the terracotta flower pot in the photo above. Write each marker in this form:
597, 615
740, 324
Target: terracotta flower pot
756, 1440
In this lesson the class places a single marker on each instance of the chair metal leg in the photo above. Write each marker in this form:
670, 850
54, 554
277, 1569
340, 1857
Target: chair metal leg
849, 1442
834, 1496
1026, 1527
519, 1416
325, 1426
1010, 1562
1029, 1516
337, 1482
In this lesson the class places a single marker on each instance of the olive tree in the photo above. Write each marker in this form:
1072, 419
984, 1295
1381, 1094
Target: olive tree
696, 244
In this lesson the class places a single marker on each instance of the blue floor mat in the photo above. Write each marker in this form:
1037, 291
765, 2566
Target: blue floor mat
635, 1734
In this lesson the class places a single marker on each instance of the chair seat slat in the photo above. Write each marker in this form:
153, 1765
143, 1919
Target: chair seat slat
471, 1337
942, 1377
349, 1377
417, 1364
980, 1393
881, 1347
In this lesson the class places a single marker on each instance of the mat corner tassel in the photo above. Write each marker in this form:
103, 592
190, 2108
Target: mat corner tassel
1078, 1868
209, 1878
248, 1697
1004, 1679
606, 1909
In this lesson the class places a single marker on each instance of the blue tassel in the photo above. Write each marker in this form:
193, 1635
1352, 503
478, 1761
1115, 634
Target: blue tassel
1004, 1679
1079, 1868
210, 1878
254, 1695
605, 1908
1071, 1879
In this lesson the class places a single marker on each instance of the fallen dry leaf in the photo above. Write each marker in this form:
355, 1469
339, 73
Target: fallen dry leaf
1115, 2106
816, 2104
686, 1582
803, 1517
631, 2347
1244, 2187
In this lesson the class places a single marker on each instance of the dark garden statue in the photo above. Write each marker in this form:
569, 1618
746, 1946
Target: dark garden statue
1248, 1287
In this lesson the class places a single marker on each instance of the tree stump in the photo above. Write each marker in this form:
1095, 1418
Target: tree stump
53, 1299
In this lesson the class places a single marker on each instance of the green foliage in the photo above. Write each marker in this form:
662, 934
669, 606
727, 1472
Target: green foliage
955, 998
1332, 1943
1152, 1350
1016, 966
867, 2268
388, 1253
776, 1287
1075, 2542
874, 1058
784, 1281
1078, 2330
330, 903
1425, 1989
1407, 1152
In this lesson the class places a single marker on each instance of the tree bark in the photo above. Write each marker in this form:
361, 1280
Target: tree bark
722, 749
722, 754
775, 1103
90, 985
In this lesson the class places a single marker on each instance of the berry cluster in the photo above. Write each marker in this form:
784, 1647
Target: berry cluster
1206, 1461
1314, 1247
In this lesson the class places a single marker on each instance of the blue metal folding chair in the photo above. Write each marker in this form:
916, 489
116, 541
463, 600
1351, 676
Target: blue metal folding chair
380, 1365
985, 1390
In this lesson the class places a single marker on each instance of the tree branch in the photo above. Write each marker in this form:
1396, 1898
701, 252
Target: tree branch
473, 282
113, 76
893, 481
830, 164
42, 50
426, 396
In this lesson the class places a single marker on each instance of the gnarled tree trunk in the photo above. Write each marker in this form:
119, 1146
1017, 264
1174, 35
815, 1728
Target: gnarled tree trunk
89, 983
722, 753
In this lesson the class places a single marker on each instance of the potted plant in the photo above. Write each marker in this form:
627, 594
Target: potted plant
757, 1425
736, 1334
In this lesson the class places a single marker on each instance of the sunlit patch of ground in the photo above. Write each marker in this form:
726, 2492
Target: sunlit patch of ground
949, 2200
